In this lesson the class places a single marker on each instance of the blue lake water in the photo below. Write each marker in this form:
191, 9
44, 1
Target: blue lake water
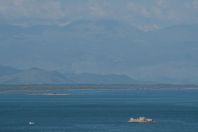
100, 111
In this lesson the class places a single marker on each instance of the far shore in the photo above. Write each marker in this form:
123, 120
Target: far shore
50, 90
51, 94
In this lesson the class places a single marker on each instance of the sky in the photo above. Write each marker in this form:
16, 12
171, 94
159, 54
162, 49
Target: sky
152, 40
143, 14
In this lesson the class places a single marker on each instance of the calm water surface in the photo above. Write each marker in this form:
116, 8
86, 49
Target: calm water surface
100, 111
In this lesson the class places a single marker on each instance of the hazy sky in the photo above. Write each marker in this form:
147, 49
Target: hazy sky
98, 36
144, 14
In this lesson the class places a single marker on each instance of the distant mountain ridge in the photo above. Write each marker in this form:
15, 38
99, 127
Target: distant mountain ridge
40, 76
167, 54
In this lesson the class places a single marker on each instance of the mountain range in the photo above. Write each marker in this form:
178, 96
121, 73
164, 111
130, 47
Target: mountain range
168, 54
9, 75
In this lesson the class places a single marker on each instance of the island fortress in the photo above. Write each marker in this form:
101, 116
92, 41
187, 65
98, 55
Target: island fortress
140, 120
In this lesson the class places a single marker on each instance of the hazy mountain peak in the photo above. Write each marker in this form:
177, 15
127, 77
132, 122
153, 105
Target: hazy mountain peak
105, 46
40, 76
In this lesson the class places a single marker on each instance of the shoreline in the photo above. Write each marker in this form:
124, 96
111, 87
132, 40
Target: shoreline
54, 90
